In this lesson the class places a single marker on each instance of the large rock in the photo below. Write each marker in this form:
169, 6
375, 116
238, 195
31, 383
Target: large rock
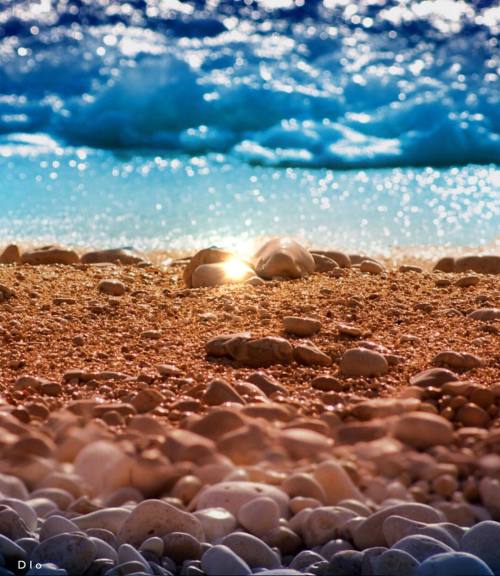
363, 362
50, 255
423, 430
283, 257
341, 258
157, 518
206, 256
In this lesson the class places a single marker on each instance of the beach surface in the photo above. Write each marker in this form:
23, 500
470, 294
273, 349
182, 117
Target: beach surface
345, 418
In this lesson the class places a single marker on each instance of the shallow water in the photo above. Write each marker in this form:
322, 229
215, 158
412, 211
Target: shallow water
86, 197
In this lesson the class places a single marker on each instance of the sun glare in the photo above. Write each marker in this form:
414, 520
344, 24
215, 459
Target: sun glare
235, 269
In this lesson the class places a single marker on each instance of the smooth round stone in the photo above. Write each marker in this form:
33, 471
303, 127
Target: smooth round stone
216, 523
55, 525
370, 556
13, 487
453, 564
286, 540
47, 570
483, 540
12, 525
363, 362
222, 561
421, 547
371, 267
259, 516
9, 549
394, 563
283, 257
154, 545
112, 287
25, 512
217, 274
370, 532
304, 327
180, 546
336, 483
157, 518
346, 563
233, 495
396, 527
252, 550
305, 559
104, 535
324, 524
127, 553
111, 519
302, 484
423, 430
62, 498
27, 544
73, 552
41, 506
333, 546
104, 550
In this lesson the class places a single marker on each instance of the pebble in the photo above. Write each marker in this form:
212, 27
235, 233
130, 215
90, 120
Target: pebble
370, 532
219, 391
304, 559
363, 362
12, 525
210, 275
336, 483
457, 360
266, 383
127, 553
55, 525
434, 377
482, 540
112, 287
104, 549
205, 256
395, 563
472, 415
220, 560
341, 258
304, 327
301, 443
371, 267
485, 314
324, 524
73, 552
309, 355
259, 516
10, 255
323, 263
410, 268
233, 495
346, 563
9, 549
397, 527
256, 353
147, 400
453, 564
216, 522
123, 256
157, 518
25, 511
423, 430
252, 550
283, 257
111, 519
421, 547
466, 281
180, 546
50, 255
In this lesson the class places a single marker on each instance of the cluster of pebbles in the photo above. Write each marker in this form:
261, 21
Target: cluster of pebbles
317, 414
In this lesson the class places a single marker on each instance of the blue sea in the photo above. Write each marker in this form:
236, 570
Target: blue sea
171, 125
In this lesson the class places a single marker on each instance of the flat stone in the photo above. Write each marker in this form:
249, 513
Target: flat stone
299, 326
363, 362
457, 360
434, 377
283, 257
485, 314
466, 281
371, 267
50, 255
127, 553
423, 430
124, 256
111, 519
341, 258
396, 527
73, 552
157, 518
309, 355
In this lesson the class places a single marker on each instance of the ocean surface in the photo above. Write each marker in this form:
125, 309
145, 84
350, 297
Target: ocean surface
168, 124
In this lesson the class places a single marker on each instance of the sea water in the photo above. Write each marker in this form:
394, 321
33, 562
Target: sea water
168, 124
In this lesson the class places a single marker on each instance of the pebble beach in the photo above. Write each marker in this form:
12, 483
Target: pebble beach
299, 412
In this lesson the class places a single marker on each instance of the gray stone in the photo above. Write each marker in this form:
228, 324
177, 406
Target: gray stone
73, 552
222, 561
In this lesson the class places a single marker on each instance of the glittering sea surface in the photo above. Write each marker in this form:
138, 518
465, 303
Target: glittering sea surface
167, 124
87, 197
